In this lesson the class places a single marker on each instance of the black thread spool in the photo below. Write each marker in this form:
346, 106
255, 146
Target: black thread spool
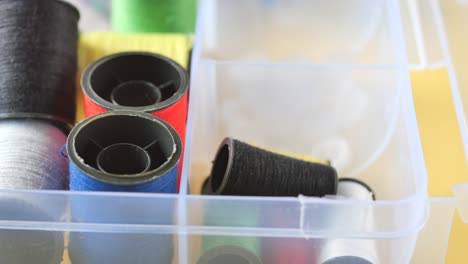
242, 169
354, 251
28, 246
38, 59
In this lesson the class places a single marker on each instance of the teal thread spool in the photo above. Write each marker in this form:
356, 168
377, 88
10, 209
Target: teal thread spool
229, 249
170, 16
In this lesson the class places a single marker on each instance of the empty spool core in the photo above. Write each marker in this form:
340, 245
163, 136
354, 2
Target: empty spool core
102, 145
123, 158
136, 93
139, 81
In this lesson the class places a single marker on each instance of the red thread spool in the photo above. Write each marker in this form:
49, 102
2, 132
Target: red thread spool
286, 250
138, 81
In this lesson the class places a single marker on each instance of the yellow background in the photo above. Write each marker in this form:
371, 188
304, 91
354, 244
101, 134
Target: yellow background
443, 148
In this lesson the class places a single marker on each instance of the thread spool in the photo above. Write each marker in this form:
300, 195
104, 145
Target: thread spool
124, 151
206, 189
286, 249
358, 251
228, 249
138, 81
140, 154
30, 156
28, 246
38, 60
242, 169
154, 16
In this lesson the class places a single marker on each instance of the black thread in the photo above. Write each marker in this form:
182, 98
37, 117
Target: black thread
242, 169
38, 59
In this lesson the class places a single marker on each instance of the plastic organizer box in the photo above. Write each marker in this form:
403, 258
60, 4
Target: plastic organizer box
312, 77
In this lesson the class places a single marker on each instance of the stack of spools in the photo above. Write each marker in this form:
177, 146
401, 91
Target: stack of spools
139, 81
38, 63
132, 141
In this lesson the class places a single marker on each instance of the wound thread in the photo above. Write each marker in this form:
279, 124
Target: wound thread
154, 16
30, 156
28, 246
229, 249
242, 169
124, 151
138, 81
356, 251
38, 59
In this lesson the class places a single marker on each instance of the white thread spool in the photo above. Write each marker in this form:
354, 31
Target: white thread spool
351, 251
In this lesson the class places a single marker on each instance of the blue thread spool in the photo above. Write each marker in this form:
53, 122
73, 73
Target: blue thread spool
122, 151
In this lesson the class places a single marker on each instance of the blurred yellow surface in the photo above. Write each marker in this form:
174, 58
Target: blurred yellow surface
443, 148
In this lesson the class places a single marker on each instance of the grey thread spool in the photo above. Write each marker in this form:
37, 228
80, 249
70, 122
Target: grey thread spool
30, 158
351, 251
28, 246
30, 155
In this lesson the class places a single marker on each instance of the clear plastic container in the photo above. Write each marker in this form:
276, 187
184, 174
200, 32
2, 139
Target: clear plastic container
276, 73
311, 77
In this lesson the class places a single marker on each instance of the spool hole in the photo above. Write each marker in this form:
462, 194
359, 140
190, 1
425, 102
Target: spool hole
136, 93
123, 158
220, 168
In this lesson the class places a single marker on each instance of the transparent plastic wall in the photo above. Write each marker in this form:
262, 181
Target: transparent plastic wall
325, 78
321, 78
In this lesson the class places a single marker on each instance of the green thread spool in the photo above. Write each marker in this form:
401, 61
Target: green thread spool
229, 249
171, 16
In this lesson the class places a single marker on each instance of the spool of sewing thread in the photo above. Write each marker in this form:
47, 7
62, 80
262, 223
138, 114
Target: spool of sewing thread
122, 151
138, 81
27, 246
356, 251
30, 159
38, 59
176, 16
242, 169
285, 249
229, 249
30, 155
